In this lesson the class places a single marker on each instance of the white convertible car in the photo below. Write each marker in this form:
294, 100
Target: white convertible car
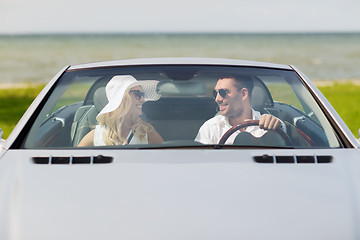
302, 182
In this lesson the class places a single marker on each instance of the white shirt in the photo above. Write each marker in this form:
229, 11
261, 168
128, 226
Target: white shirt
214, 128
99, 139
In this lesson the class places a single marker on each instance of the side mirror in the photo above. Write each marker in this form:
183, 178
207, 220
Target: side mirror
1, 136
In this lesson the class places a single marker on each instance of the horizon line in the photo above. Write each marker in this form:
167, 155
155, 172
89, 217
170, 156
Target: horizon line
181, 33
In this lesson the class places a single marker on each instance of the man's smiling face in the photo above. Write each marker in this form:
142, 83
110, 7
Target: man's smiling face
230, 106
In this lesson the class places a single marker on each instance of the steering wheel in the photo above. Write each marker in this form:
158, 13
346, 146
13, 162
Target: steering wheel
248, 123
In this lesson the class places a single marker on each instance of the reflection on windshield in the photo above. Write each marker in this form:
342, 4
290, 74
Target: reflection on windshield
182, 107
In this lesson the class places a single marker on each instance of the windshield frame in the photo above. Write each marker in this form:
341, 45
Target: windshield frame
340, 137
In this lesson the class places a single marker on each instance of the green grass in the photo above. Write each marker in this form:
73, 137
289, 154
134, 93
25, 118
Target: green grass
13, 104
345, 98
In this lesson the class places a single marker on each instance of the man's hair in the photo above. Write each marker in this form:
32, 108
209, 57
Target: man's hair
242, 81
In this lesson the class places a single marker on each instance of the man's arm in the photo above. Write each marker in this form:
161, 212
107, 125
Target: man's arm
269, 122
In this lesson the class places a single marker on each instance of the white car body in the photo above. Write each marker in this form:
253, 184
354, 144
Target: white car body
180, 193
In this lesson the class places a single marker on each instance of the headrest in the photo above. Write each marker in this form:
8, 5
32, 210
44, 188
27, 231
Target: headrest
100, 99
258, 98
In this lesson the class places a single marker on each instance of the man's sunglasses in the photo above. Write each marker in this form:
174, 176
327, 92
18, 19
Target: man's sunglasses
223, 93
138, 94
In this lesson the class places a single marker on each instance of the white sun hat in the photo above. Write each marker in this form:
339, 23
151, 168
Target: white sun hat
116, 87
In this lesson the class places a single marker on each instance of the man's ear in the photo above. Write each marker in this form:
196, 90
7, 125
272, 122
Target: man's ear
244, 93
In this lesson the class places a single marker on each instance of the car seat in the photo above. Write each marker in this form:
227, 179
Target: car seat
261, 97
85, 117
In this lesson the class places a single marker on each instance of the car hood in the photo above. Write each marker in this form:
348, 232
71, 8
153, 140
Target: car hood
172, 194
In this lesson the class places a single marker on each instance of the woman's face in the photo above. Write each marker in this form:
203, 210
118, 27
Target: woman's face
137, 97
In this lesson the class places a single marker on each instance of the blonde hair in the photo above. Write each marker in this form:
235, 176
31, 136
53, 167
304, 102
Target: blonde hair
113, 122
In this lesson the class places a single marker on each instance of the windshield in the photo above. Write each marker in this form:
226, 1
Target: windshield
186, 106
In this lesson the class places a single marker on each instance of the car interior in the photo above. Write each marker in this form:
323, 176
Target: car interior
185, 104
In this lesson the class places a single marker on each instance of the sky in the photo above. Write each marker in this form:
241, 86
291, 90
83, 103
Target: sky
132, 16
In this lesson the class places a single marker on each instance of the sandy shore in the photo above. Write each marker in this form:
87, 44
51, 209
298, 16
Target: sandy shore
19, 85
324, 83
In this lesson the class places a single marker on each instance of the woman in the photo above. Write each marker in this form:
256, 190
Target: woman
119, 121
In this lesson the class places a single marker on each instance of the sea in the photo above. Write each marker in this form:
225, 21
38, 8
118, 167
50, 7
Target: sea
321, 56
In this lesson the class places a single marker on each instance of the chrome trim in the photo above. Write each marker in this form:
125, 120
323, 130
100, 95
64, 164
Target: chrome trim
190, 61
329, 109
61, 120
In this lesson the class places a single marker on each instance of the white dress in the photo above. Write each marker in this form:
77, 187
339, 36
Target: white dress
99, 140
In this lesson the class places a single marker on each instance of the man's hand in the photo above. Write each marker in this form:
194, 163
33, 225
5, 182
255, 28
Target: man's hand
269, 122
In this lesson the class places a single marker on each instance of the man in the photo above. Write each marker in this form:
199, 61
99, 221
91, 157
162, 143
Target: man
232, 94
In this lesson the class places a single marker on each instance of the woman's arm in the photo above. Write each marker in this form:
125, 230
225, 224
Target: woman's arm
88, 139
154, 137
